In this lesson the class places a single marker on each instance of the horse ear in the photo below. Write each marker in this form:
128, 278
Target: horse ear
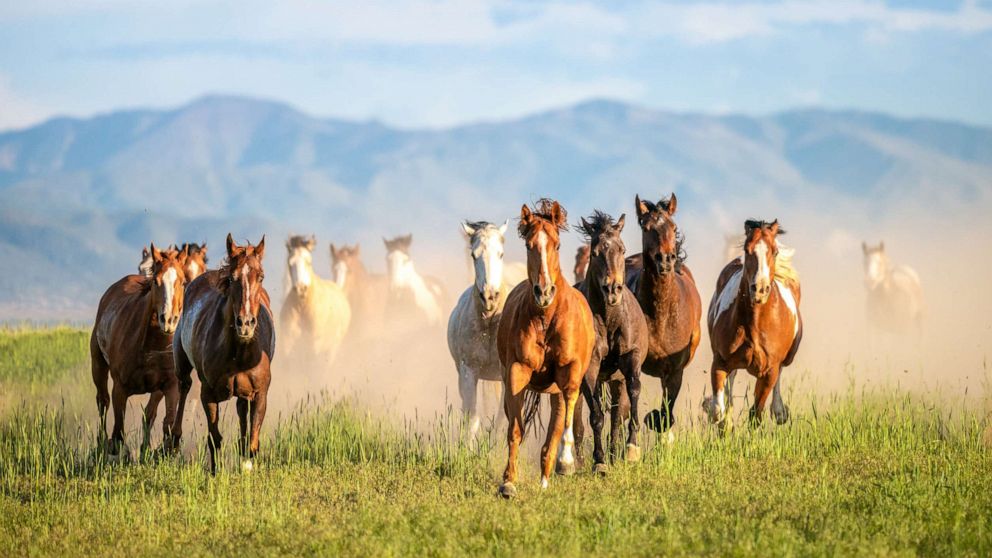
586, 227
144, 252
641, 207
385, 243
620, 222
558, 215
232, 246
673, 203
467, 229
407, 240
334, 251
774, 227
503, 227
156, 253
524, 213
312, 242
184, 254
260, 248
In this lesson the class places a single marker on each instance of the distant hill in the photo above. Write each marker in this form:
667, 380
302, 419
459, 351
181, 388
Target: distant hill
79, 197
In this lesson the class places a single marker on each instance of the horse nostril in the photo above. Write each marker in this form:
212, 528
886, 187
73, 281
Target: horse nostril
537, 290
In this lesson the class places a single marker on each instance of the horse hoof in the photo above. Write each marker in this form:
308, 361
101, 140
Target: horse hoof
247, 466
565, 469
783, 416
507, 490
634, 453
600, 469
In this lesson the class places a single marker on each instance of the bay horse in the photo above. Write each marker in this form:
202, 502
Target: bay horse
895, 296
545, 340
754, 321
473, 322
130, 342
666, 291
410, 292
315, 314
621, 337
581, 263
227, 335
366, 291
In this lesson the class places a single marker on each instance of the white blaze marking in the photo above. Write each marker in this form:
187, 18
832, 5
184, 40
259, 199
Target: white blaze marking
246, 291
542, 246
299, 267
341, 273
194, 269
727, 296
790, 303
169, 283
761, 251
488, 264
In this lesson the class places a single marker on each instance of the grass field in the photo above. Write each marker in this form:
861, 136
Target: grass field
879, 473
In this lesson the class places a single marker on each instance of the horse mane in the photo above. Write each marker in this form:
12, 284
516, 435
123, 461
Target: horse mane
783, 266
299, 241
543, 208
597, 223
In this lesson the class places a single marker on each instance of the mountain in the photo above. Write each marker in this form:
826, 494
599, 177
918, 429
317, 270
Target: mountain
79, 197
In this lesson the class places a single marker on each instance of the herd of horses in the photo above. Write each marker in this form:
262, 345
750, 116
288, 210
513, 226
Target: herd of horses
522, 326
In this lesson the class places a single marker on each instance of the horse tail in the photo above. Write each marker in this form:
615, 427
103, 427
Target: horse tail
532, 412
101, 375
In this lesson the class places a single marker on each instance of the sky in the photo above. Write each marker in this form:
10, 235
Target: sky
417, 63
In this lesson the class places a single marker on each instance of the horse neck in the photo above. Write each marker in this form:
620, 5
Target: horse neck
597, 302
150, 331
663, 289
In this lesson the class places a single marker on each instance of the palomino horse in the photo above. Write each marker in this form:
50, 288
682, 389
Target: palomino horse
581, 264
621, 337
366, 291
409, 291
545, 340
895, 296
473, 322
130, 343
316, 314
754, 321
667, 294
227, 334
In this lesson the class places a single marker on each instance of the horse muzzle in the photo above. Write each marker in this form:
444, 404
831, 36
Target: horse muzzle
168, 324
544, 297
490, 301
759, 292
664, 263
613, 292
301, 290
245, 327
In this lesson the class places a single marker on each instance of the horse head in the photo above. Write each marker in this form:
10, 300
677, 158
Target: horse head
540, 229
196, 260
168, 283
244, 274
661, 240
486, 248
606, 259
876, 263
398, 261
581, 263
760, 254
344, 260
299, 260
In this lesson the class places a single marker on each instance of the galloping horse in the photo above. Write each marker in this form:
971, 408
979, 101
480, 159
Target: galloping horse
754, 321
545, 340
668, 297
408, 290
621, 337
366, 291
473, 322
581, 263
227, 334
895, 296
315, 314
130, 343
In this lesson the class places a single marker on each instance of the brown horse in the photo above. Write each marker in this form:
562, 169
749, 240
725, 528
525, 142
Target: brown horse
130, 343
667, 294
367, 292
754, 320
621, 338
581, 263
196, 260
227, 334
545, 340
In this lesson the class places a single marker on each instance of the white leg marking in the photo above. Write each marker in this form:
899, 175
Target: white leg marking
544, 482
567, 442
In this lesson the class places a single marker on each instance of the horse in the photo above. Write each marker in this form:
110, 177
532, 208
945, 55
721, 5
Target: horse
366, 291
895, 296
227, 334
315, 313
196, 259
410, 292
581, 264
754, 322
146, 262
666, 291
513, 272
545, 341
130, 342
621, 338
473, 322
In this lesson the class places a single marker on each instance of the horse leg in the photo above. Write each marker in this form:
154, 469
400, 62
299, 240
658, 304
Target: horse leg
119, 400
592, 390
718, 406
572, 376
151, 411
517, 378
616, 417
729, 390
243, 405
671, 385
632, 379
210, 408
468, 387
257, 414
101, 378
779, 409
184, 377
762, 389
550, 449
579, 429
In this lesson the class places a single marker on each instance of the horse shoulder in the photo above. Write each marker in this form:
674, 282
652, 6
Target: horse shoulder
459, 323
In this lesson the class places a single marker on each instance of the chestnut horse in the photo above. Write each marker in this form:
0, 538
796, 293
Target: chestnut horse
545, 340
581, 263
366, 291
227, 334
196, 260
754, 321
621, 338
135, 321
668, 297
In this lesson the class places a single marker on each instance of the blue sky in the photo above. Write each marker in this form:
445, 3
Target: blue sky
417, 63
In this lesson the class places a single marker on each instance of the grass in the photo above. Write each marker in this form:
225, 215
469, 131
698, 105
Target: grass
879, 474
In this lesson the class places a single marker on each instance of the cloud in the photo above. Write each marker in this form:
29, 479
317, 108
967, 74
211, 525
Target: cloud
15, 110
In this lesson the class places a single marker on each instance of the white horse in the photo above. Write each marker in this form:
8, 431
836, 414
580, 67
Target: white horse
473, 322
409, 292
513, 272
895, 296
315, 315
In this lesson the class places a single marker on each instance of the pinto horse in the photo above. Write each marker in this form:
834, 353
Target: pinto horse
754, 321
366, 291
545, 340
227, 334
621, 337
409, 291
668, 297
135, 321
